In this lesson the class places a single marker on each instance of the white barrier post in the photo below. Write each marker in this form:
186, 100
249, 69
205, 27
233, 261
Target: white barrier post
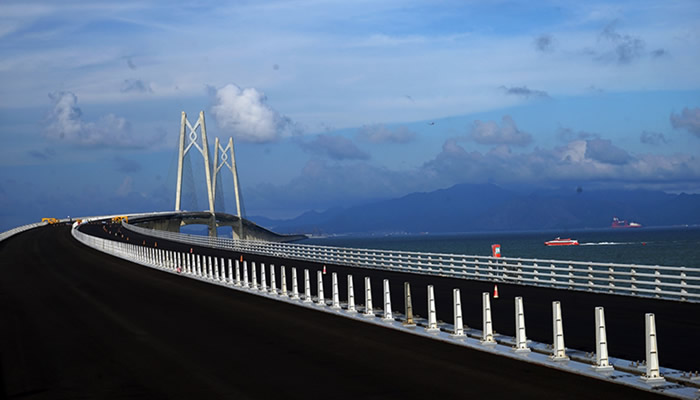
283, 277
321, 297
199, 265
307, 287
336, 295
230, 271
222, 277
245, 274
558, 348
520, 334
601, 342
387, 302
263, 279
295, 285
368, 298
653, 375
253, 276
459, 324
238, 273
408, 304
351, 295
216, 269
432, 313
487, 333
273, 283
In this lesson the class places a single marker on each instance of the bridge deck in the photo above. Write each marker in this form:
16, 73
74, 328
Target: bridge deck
76, 322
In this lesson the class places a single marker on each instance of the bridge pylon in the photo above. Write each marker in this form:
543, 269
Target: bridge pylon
222, 156
203, 149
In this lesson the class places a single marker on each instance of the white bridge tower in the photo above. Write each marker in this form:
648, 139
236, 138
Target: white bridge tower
221, 159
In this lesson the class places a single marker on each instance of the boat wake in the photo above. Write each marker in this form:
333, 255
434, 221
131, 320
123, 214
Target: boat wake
605, 243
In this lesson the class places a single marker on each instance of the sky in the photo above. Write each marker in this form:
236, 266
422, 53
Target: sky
337, 103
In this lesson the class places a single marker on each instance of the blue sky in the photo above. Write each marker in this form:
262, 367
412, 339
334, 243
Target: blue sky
334, 103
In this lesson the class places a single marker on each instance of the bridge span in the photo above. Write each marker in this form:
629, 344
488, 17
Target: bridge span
79, 323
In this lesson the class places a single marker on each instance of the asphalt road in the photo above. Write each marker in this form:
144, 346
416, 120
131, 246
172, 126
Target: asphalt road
75, 323
677, 323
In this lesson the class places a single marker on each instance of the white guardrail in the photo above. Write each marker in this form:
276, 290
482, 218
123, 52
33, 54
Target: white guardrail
252, 279
667, 282
20, 229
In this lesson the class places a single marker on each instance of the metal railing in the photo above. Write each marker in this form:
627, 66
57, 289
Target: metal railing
19, 229
667, 282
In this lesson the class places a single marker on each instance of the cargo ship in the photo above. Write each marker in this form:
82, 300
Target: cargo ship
562, 242
621, 223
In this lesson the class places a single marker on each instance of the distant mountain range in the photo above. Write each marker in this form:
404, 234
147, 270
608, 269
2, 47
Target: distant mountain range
487, 207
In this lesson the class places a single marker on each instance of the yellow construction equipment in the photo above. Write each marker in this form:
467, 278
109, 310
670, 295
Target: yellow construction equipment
50, 220
120, 219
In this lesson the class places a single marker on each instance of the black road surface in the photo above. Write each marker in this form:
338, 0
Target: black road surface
75, 323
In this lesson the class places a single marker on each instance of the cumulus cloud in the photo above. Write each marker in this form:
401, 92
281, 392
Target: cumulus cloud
625, 48
602, 150
544, 43
246, 114
593, 161
688, 119
523, 91
335, 147
567, 135
508, 133
135, 85
65, 122
324, 183
381, 134
653, 138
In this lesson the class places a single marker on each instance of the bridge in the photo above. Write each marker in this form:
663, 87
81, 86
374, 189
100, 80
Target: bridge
112, 309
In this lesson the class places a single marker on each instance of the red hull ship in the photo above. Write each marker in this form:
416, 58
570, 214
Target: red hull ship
621, 223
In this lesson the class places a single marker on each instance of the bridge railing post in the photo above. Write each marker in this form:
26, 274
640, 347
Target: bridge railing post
432, 313
408, 304
336, 295
387, 302
351, 295
558, 348
601, 342
487, 324
283, 278
321, 297
368, 298
653, 374
295, 285
273, 283
520, 334
457, 313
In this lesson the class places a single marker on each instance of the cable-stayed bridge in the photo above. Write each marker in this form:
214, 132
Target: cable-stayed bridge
114, 307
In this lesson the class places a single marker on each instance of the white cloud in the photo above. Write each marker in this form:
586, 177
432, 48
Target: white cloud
246, 114
380, 133
688, 119
508, 133
65, 122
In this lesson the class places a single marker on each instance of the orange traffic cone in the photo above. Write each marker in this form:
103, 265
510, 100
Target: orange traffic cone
495, 291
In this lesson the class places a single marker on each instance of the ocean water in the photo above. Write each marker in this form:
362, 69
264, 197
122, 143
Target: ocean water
648, 246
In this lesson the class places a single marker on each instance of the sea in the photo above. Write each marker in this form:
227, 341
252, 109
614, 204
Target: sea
677, 246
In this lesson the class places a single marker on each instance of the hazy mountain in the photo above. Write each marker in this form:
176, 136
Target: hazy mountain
487, 207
